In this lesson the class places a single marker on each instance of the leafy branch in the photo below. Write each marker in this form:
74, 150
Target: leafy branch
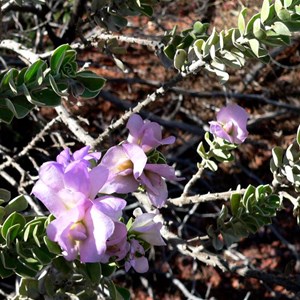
43, 84
112, 14
272, 26
250, 211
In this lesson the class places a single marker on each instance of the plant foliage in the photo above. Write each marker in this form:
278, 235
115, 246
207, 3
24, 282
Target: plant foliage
272, 26
249, 212
43, 84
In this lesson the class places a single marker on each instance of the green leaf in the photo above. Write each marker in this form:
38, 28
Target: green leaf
2, 214
119, 21
198, 47
90, 80
12, 233
241, 21
20, 77
281, 29
53, 247
186, 42
278, 6
55, 87
211, 165
277, 155
235, 202
124, 293
107, 269
7, 81
198, 27
170, 51
37, 222
34, 72
21, 106
254, 45
112, 290
6, 115
179, 59
298, 136
87, 94
57, 58
287, 3
258, 32
5, 195
265, 10
29, 288
46, 97
12, 220
249, 27
284, 15
9, 262
249, 191
93, 271
17, 204
4, 273
10, 106
223, 215
146, 10
42, 255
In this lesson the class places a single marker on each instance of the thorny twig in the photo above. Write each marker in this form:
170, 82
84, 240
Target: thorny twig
204, 198
151, 98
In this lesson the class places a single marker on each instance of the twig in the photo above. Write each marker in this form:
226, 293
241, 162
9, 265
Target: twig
204, 198
74, 127
272, 279
121, 103
20, 49
192, 182
20, 189
5, 6
211, 94
38, 137
203, 255
184, 290
131, 40
151, 98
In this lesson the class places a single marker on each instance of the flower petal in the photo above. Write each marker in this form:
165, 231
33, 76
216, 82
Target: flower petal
51, 173
48, 197
137, 156
100, 227
110, 206
134, 125
77, 178
98, 177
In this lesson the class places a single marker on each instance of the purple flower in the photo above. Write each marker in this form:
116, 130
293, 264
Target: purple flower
66, 157
85, 229
231, 124
128, 168
125, 164
83, 224
117, 245
62, 189
147, 228
153, 180
136, 258
146, 134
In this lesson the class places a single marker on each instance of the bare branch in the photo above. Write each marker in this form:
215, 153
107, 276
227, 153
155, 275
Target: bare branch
204, 198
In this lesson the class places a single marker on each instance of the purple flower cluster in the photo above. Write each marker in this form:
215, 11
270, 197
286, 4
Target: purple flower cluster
88, 226
231, 124
129, 165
